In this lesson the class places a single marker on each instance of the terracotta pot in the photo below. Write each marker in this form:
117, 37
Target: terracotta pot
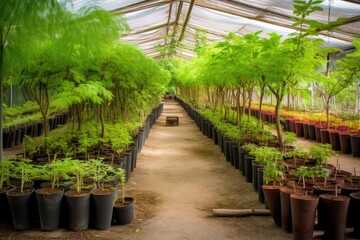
355, 201
286, 221
335, 212
312, 132
334, 140
318, 132
345, 142
299, 130
303, 212
355, 145
346, 189
318, 190
324, 135
272, 198
306, 130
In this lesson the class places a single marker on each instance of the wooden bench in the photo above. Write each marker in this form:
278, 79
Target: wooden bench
172, 121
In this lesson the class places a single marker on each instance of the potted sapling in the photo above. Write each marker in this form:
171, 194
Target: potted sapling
19, 198
274, 176
49, 198
102, 197
124, 207
78, 198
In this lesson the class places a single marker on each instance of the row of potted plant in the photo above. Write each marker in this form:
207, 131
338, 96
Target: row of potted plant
277, 173
14, 135
79, 182
84, 189
341, 137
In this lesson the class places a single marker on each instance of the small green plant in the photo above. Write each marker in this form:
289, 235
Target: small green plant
121, 176
25, 171
99, 172
304, 172
248, 147
289, 140
321, 153
265, 154
5, 173
322, 172
57, 171
274, 169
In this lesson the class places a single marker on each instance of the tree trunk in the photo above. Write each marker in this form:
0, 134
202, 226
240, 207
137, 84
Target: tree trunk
261, 98
277, 117
1, 91
327, 110
102, 120
356, 110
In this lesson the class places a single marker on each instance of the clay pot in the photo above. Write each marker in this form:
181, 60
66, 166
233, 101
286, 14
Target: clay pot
324, 135
303, 212
299, 130
334, 140
318, 132
355, 201
355, 145
272, 198
335, 212
312, 132
345, 142
346, 189
286, 221
306, 130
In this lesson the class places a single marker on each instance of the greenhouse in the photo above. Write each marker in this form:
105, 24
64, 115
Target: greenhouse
180, 119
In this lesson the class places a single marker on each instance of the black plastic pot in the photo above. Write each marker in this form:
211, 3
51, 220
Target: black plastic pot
79, 209
5, 216
235, 155
260, 174
20, 207
102, 208
49, 204
248, 168
241, 160
255, 167
124, 214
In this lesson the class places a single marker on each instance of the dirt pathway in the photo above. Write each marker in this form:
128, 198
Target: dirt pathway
189, 175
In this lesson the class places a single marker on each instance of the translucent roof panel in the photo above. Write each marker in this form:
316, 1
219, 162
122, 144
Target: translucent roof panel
147, 18
154, 22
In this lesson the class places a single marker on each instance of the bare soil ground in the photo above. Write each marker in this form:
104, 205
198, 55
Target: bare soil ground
180, 176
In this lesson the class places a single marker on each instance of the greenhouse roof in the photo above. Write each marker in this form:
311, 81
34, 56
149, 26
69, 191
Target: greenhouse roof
156, 23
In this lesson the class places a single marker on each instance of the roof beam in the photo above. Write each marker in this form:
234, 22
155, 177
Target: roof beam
149, 29
169, 19
186, 20
142, 6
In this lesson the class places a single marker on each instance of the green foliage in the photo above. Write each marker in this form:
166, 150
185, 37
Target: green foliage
120, 175
321, 153
264, 155
5, 166
119, 137
248, 147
